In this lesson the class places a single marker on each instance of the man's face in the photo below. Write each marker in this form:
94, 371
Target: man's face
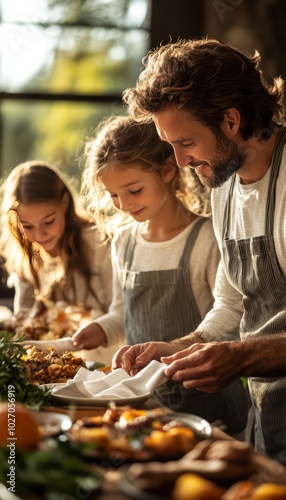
214, 157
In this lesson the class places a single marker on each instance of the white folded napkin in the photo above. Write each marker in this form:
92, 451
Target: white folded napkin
61, 345
117, 384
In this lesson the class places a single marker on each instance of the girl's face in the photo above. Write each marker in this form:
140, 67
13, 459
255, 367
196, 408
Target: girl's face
43, 223
137, 192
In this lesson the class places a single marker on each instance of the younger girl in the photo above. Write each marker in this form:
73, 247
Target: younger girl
164, 261
51, 249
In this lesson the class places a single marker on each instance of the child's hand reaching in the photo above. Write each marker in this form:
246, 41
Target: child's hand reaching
89, 337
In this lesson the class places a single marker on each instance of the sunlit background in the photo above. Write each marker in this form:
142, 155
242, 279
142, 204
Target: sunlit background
65, 63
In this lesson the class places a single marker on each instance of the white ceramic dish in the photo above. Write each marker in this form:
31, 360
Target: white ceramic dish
52, 423
102, 402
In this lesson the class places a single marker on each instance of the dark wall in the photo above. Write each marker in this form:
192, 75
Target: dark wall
257, 24
176, 19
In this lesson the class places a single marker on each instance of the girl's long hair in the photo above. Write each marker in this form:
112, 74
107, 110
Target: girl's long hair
39, 182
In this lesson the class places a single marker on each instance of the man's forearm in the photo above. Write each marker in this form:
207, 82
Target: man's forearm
259, 357
187, 340
262, 356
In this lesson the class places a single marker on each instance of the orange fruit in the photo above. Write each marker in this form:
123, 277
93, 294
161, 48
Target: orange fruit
193, 487
269, 491
18, 427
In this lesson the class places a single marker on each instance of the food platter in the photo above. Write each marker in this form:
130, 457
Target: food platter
224, 469
48, 320
49, 367
125, 434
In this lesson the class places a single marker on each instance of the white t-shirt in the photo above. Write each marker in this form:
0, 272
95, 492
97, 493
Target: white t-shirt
156, 256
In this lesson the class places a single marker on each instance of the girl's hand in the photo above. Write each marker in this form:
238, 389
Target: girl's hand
89, 337
133, 358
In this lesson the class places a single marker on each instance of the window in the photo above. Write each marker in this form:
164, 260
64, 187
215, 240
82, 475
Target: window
63, 66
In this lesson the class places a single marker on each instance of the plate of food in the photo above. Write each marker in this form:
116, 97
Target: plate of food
127, 434
49, 367
214, 469
49, 321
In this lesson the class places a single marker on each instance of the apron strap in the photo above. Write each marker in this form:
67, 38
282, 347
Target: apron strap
271, 198
130, 245
270, 204
191, 240
226, 215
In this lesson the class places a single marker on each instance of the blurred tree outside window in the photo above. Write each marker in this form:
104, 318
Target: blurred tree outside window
63, 66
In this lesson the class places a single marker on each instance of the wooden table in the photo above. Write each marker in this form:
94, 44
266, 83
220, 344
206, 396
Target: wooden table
110, 489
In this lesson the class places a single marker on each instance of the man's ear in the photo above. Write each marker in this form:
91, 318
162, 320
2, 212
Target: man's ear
168, 170
232, 120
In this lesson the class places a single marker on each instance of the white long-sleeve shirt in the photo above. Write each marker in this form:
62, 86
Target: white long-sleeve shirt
99, 259
247, 221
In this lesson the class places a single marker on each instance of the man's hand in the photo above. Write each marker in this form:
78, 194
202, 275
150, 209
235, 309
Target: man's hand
133, 358
208, 367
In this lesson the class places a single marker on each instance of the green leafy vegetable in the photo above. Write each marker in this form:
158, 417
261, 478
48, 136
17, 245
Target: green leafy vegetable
51, 474
13, 375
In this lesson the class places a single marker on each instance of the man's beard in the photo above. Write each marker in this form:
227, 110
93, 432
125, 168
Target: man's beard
227, 161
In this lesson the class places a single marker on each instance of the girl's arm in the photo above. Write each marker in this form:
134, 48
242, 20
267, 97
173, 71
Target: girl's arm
109, 328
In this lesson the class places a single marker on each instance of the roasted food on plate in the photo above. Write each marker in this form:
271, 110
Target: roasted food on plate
48, 367
135, 434
213, 470
49, 320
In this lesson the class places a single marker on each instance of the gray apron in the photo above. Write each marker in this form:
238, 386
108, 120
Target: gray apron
159, 304
251, 266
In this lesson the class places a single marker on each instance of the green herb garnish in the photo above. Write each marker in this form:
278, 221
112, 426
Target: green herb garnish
14, 374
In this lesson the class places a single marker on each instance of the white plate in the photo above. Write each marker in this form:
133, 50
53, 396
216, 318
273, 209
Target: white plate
52, 423
102, 401
6, 494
